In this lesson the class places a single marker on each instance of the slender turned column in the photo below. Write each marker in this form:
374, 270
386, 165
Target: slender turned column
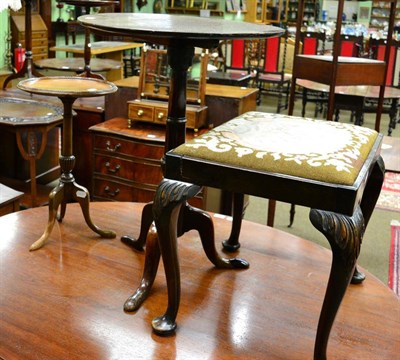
180, 57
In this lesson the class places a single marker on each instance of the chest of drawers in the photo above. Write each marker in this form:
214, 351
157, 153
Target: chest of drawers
127, 161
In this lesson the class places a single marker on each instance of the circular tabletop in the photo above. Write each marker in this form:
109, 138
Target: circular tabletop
77, 64
23, 112
67, 86
165, 29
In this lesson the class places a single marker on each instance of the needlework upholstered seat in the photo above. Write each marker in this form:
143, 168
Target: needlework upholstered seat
333, 168
316, 150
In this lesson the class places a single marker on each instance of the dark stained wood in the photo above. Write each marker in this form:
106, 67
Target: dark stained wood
65, 300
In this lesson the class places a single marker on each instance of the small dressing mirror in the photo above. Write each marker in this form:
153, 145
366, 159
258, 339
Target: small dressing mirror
155, 75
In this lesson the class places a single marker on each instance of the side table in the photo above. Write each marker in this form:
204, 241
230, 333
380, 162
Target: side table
31, 120
67, 89
9, 200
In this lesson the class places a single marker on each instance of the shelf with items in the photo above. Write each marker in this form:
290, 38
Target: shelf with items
266, 11
311, 10
380, 14
194, 7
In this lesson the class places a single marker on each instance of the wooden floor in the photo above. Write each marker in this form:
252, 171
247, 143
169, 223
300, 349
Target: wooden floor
64, 301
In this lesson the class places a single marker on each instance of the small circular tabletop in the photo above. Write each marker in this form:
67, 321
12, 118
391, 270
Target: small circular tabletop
164, 28
67, 86
77, 64
23, 112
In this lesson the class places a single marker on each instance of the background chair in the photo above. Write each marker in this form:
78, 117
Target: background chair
271, 75
351, 45
313, 43
376, 50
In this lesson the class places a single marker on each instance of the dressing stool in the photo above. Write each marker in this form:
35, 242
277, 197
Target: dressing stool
333, 168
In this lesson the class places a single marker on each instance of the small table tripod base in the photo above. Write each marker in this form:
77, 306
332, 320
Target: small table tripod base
68, 89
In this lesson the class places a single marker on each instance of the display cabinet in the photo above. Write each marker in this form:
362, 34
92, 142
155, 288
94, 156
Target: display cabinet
311, 10
266, 11
193, 7
380, 14
154, 86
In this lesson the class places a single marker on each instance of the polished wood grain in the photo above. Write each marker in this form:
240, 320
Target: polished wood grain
65, 300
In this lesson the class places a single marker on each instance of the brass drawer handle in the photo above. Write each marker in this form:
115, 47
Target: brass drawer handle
160, 115
112, 170
108, 191
109, 148
140, 112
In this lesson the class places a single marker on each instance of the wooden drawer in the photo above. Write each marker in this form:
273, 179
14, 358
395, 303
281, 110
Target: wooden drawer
39, 35
145, 172
160, 115
157, 111
39, 50
141, 112
119, 146
104, 189
43, 42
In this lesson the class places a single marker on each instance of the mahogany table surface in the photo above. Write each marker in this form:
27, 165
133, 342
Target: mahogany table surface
367, 91
77, 64
65, 300
98, 47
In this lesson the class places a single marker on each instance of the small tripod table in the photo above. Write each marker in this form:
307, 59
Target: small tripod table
67, 89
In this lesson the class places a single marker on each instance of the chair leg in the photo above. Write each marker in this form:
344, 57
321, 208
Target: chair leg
304, 102
345, 250
291, 214
393, 116
232, 244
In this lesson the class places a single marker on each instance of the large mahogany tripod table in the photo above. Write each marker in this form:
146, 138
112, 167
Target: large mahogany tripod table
64, 302
180, 34
67, 89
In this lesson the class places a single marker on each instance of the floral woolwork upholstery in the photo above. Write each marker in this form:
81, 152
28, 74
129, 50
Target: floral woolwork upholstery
314, 149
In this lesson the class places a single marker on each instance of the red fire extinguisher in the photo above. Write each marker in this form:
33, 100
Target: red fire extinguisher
19, 57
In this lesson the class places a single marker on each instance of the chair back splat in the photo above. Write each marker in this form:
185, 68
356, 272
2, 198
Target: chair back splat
313, 42
271, 75
351, 45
